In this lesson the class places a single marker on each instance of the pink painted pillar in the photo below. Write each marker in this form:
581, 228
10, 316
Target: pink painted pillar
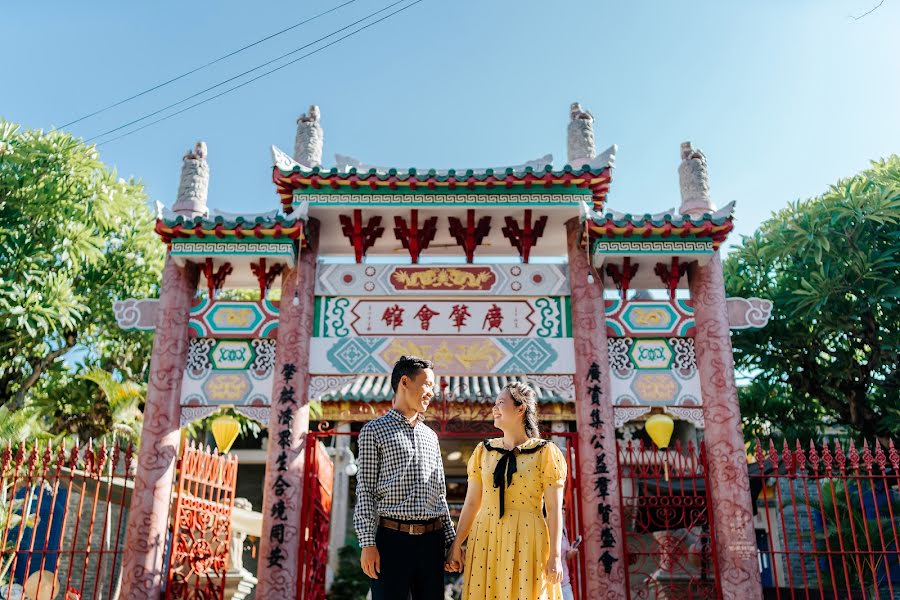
148, 516
730, 493
279, 546
597, 464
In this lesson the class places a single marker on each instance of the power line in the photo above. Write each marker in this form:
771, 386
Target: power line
239, 75
209, 64
249, 81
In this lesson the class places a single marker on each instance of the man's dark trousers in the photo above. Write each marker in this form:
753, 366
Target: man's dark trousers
409, 564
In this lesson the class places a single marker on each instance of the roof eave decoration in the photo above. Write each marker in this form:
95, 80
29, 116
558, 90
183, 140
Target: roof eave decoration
613, 224
290, 178
220, 225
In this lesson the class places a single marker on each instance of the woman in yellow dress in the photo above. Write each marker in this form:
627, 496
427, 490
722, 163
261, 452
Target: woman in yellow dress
513, 550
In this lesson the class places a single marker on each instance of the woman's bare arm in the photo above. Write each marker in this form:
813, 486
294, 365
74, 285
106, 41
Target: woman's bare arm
469, 511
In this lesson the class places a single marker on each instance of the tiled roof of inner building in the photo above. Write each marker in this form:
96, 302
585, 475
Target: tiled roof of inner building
377, 388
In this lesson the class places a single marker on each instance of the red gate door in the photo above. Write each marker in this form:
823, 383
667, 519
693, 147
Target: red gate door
668, 529
318, 476
201, 527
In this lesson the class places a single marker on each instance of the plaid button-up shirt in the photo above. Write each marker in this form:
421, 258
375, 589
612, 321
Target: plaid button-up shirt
401, 476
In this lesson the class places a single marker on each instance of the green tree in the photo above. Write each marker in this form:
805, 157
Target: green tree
830, 352
350, 582
74, 238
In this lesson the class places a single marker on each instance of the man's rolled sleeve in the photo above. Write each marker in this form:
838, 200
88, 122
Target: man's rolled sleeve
364, 515
449, 531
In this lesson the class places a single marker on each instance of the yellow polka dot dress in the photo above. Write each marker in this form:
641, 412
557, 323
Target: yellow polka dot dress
506, 556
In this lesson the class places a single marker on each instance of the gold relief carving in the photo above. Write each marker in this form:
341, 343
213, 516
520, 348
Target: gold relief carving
651, 317
484, 351
400, 348
226, 387
443, 278
655, 387
444, 356
234, 317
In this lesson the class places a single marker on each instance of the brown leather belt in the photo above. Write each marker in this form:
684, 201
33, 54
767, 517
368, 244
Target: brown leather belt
411, 528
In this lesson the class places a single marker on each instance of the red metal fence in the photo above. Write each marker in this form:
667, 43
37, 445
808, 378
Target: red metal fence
201, 526
318, 482
828, 520
62, 519
667, 525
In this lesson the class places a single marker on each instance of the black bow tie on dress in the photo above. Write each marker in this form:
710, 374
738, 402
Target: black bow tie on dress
507, 467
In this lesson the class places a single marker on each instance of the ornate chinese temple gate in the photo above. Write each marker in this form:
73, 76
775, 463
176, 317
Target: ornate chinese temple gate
457, 280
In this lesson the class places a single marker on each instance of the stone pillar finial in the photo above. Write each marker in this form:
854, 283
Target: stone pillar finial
694, 179
309, 140
194, 185
581, 147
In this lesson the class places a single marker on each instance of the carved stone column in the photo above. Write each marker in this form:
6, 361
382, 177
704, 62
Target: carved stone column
597, 463
148, 516
730, 493
288, 427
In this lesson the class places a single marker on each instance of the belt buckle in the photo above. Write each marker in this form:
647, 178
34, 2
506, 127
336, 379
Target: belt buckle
416, 529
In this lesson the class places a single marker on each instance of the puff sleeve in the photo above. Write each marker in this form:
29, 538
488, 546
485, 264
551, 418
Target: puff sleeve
473, 469
553, 468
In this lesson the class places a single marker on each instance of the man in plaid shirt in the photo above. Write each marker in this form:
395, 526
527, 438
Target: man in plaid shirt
401, 517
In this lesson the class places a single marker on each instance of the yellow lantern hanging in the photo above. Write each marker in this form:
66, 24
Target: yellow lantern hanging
225, 430
660, 427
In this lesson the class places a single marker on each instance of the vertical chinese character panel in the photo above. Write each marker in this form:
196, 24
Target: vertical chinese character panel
288, 427
598, 463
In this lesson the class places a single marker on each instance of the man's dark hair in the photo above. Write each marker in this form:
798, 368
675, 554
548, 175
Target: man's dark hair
409, 366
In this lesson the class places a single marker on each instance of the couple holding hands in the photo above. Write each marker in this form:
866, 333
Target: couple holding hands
512, 516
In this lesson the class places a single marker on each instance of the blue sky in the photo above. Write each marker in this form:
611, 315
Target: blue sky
784, 96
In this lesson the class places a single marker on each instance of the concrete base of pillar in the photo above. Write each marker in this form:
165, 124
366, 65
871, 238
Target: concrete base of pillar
238, 584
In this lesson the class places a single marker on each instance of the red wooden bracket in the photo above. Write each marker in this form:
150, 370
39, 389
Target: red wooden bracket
622, 278
526, 238
215, 279
414, 238
671, 276
265, 277
471, 235
361, 237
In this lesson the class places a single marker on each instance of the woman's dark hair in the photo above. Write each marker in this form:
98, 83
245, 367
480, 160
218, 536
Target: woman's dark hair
522, 394
409, 366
